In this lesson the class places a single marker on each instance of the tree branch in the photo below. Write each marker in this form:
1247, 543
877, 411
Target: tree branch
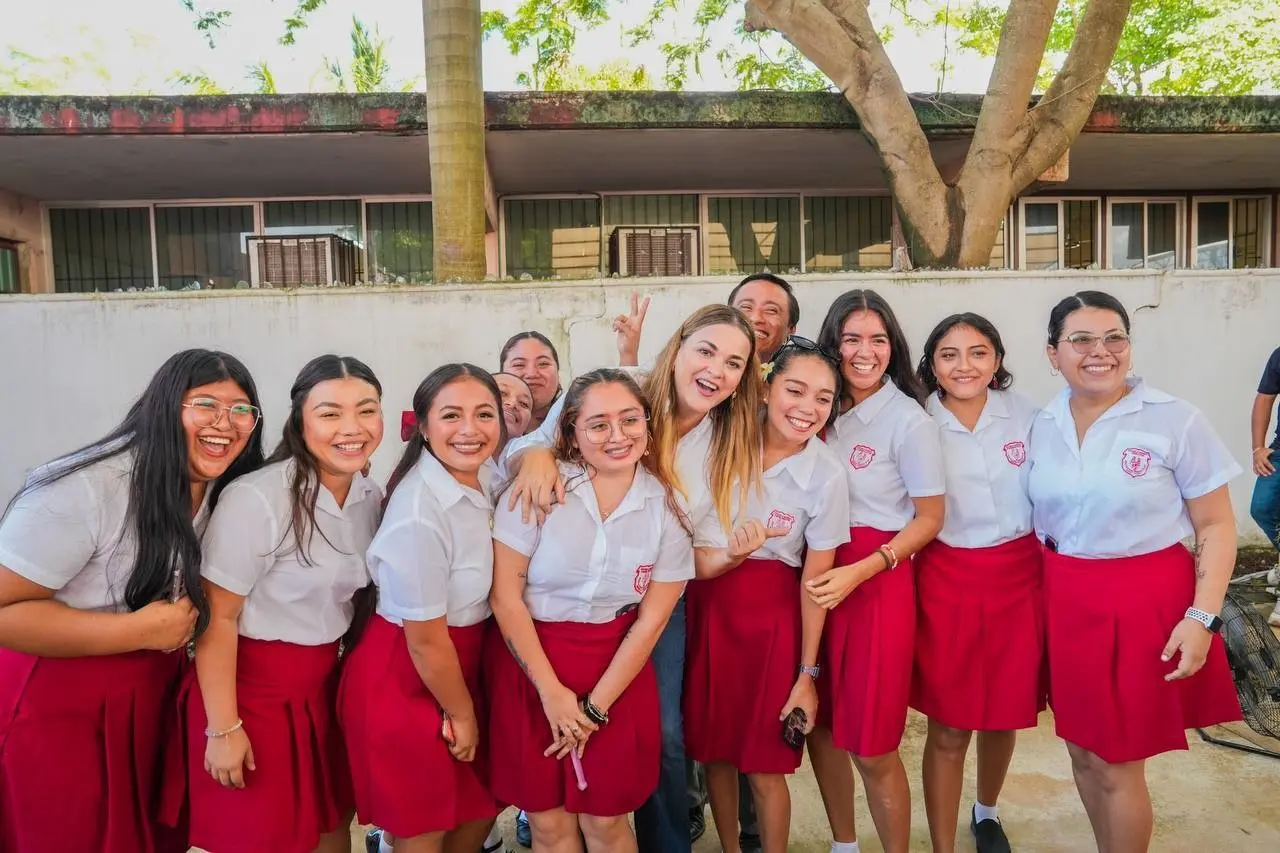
1053, 124
839, 38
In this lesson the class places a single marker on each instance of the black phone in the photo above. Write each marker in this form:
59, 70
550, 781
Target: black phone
793, 728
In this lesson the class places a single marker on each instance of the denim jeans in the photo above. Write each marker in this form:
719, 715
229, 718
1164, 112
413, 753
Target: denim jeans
662, 823
1265, 507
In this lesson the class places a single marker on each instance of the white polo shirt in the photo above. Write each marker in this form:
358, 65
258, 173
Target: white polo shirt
582, 569
250, 549
891, 453
805, 493
1122, 491
433, 554
74, 536
986, 470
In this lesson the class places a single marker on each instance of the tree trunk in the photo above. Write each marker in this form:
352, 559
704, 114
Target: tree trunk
455, 137
1012, 143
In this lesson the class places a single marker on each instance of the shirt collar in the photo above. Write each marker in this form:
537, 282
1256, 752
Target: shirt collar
361, 488
449, 491
799, 466
1059, 409
867, 410
644, 487
996, 407
699, 432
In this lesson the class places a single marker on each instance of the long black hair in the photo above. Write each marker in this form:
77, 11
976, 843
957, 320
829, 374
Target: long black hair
899, 370
304, 487
423, 399
160, 508
1084, 299
1002, 379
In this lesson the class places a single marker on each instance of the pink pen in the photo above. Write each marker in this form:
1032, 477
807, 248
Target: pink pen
577, 770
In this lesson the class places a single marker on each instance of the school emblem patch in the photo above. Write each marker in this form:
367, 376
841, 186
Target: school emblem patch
1016, 453
1135, 461
862, 456
643, 575
778, 518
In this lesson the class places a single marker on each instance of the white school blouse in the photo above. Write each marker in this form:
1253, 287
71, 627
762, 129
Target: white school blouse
986, 471
250, 550
433, 554
74, 535
1122, 491
584, 569
805, 493
890, 451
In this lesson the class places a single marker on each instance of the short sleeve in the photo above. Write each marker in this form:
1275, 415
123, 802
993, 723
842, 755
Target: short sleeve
829, 527
1270, 382
511, 530
1203, 462
675, 551
242, 539
52, 531
920, 460
708, 532
410, 560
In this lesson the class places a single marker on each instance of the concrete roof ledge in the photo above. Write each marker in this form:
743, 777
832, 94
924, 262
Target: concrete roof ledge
406, 112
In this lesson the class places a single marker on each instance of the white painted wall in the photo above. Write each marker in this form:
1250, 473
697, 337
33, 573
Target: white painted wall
75, 362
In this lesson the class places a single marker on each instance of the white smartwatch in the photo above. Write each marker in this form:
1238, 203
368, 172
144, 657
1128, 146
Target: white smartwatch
1211, 623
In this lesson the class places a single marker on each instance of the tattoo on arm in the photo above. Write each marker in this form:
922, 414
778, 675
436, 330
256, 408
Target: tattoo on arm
511, 647
1199, 552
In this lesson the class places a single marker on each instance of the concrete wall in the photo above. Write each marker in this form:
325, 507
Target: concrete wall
76, 361
21, 221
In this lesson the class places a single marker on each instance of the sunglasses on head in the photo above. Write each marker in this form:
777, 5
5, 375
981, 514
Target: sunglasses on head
806, 345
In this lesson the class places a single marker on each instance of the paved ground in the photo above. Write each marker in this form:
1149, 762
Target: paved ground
1207, 800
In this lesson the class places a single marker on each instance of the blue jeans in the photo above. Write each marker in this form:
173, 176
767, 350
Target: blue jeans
662, 823
1265, 507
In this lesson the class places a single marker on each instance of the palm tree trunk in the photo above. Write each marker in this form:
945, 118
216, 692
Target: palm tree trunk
455, 136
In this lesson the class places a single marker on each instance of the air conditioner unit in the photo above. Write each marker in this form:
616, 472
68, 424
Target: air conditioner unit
297, 260
667, 251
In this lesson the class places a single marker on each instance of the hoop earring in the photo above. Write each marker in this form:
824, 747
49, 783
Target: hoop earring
1053, 371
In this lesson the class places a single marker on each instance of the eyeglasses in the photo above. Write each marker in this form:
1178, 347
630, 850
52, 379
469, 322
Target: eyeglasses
1085, 343
207, 412
797, 342
632, 426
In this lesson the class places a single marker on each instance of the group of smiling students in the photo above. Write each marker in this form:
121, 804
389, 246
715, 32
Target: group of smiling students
671, 561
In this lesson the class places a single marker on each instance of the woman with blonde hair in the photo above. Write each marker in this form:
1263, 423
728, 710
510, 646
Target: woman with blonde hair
704, 392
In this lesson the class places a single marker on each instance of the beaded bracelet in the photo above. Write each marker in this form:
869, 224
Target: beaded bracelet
890, 556
237, 727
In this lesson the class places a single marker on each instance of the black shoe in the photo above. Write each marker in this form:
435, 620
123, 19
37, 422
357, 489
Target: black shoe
989, 834
523, 835
697, 824
372, 840
749, 842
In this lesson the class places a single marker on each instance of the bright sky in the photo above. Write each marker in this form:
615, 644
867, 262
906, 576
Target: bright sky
139, 45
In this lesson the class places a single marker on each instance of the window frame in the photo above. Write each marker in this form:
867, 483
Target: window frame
1180, 256
1060, 200
1266, 227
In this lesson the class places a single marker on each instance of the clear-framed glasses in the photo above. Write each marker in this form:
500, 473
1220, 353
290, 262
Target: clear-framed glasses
207, 412
797, 342
1085, 343
600, 432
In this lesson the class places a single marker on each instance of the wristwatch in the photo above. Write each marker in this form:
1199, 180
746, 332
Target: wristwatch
811, 671
1211, 623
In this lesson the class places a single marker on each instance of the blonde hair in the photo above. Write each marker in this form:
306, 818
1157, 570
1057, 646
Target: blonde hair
735, 458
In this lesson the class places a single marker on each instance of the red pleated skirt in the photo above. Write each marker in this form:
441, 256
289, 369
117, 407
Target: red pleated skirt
621, 759
406, 780
868, 646
1108, 622
82, 744
980, 635
301, 789
742, 654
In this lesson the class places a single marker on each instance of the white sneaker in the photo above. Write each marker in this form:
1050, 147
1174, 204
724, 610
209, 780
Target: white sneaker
1273, 575
1274, 619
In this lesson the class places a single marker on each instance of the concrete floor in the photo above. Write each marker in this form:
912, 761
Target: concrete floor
1207, 800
